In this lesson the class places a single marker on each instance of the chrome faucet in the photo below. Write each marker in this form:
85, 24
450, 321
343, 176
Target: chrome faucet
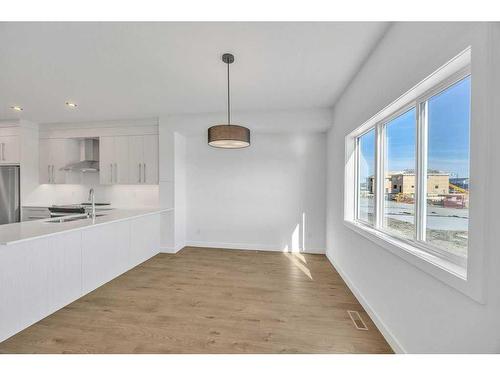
92, 200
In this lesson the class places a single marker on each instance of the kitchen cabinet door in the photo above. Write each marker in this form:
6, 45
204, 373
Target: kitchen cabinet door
121, 160
64, 276
150, 163
143, 159
9, 149
23, 281
136, 159
56, 157
106, 160
105, 253
45, 172
144, 238
55, 154
64, 151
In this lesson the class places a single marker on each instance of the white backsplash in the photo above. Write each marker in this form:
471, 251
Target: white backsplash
121, 196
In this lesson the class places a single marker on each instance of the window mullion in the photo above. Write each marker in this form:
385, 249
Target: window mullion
421, 172
356, 180
379, 176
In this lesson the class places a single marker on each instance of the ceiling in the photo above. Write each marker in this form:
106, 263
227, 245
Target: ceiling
139, 70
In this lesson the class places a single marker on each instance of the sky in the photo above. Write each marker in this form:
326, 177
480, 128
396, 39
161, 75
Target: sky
448, 136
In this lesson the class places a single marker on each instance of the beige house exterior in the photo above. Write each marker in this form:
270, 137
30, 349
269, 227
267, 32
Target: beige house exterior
401, 182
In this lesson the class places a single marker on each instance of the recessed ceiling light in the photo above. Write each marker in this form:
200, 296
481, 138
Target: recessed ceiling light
16, 108
71, 105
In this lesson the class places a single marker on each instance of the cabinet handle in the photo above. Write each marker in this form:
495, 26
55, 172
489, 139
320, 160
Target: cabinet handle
53, 174
111, 173
144, 172
116, 173
140, 172
3, 151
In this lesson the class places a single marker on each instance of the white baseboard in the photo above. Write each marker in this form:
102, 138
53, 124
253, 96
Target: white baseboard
171, 249
244, 246
389, 337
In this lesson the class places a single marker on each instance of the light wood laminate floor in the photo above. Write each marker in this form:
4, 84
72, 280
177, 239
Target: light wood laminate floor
210, 301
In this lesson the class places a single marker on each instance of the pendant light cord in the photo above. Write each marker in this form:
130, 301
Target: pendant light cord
228, 98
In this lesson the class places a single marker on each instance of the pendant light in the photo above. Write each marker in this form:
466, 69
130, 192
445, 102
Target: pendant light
228, 136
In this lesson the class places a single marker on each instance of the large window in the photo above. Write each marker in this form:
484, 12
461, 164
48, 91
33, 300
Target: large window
413, 171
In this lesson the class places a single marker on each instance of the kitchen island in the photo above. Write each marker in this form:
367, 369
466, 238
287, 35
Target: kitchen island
45, 265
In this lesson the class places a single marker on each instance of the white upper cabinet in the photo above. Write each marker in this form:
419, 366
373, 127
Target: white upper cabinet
9, 149
122, 160
143, 163
55, 154
150, 143
114, 160
45, 172
136, 159
106, 159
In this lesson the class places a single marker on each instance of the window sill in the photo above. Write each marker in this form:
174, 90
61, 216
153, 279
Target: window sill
442, 269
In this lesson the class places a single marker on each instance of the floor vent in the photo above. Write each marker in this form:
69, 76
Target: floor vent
357, 320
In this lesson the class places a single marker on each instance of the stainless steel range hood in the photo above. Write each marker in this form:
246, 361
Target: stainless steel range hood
89, 157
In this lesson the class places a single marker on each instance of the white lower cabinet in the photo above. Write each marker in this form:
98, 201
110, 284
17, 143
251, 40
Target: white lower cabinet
144, 238
23, 285
40, 276
105, 253
64, 277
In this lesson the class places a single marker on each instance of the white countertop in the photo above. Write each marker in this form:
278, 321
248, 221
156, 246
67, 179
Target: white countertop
28, 230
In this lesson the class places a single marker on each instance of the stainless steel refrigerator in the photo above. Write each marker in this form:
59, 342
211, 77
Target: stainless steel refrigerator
10, 212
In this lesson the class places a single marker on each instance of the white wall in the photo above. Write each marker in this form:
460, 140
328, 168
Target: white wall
416, 312
270, 196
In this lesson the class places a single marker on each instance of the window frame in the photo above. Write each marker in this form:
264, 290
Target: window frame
357, 207
421, 127
382, 125
465, 275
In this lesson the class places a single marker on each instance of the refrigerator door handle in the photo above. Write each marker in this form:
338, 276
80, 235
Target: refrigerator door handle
17, 198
